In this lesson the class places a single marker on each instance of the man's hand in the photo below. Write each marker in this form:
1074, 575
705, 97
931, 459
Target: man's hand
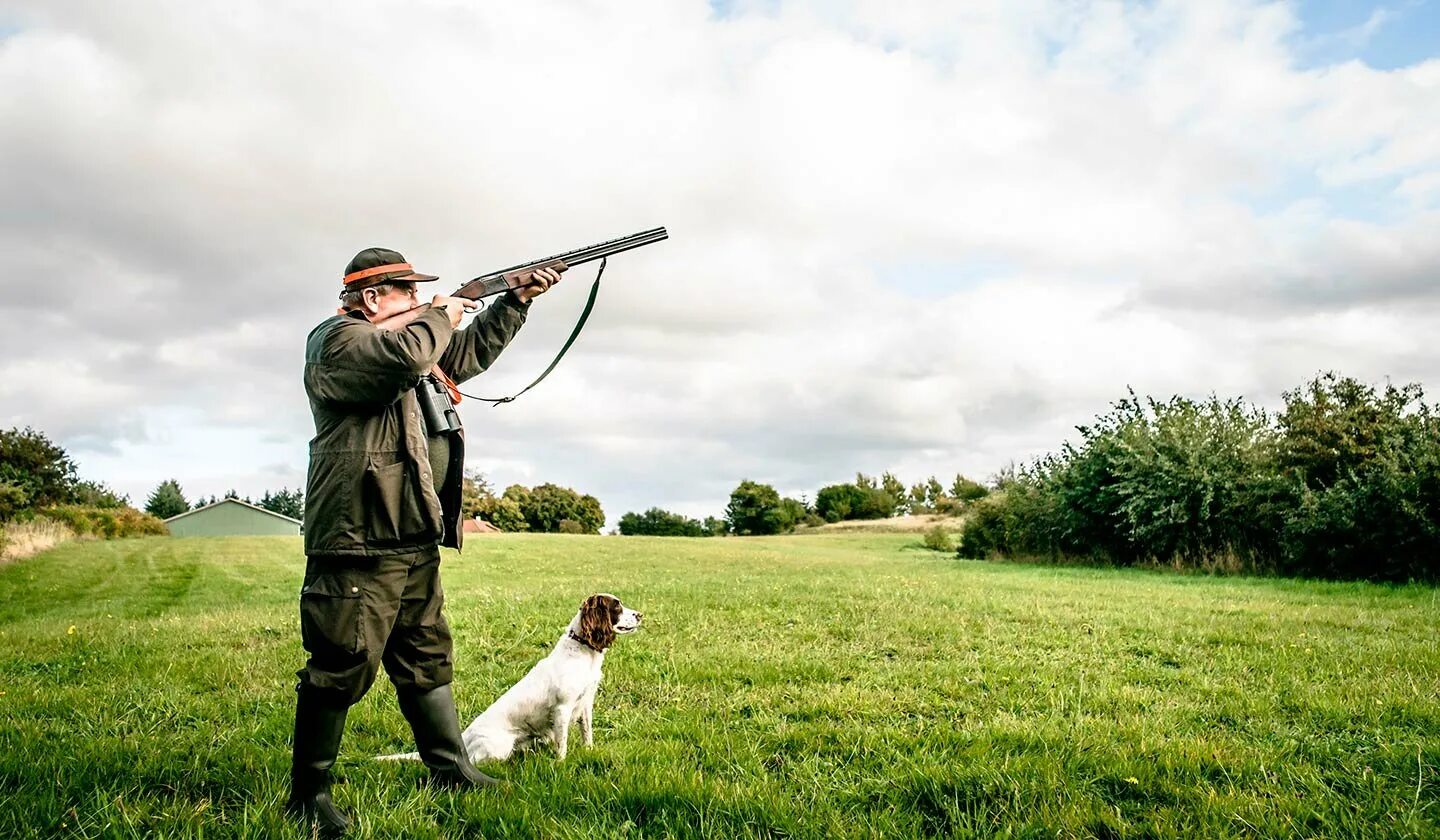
454, 307
540, 282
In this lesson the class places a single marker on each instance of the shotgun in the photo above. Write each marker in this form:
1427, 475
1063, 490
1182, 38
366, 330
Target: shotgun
518, 276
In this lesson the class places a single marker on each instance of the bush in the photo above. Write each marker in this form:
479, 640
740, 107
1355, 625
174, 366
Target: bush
1345, 483
106, 523
938, 539
1359, 482
13, 501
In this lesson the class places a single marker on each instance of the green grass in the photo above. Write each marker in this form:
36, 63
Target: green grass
832, 685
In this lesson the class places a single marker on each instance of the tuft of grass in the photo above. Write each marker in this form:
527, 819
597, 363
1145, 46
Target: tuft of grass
828, 685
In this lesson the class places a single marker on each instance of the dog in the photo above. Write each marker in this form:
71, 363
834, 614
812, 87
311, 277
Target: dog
557, 691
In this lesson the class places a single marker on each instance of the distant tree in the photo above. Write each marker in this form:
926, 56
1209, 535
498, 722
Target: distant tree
475, 490
547, 504
755, 508
966, 490
41, 469
166, 500
862, 500
836, 502
896, 488
793, 512
917, 504
934, 493
285, 502
656, 522
716, 527
95, 494
504, 513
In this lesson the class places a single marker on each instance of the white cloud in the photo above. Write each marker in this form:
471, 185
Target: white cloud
1158, 195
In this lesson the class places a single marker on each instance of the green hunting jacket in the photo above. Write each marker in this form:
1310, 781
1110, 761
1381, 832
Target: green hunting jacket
369, 490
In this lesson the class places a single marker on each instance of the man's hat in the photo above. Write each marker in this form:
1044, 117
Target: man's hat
373, 266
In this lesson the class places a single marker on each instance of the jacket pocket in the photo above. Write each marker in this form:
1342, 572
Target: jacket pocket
330, 613
393, 516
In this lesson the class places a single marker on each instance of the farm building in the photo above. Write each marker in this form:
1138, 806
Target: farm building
231, 517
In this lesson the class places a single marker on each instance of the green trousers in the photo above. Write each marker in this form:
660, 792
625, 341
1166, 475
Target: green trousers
357, 613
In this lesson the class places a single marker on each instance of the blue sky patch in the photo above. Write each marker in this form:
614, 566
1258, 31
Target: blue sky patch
1383, 35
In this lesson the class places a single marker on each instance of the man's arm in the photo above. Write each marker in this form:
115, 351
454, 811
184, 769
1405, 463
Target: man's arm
361, 364
476, 347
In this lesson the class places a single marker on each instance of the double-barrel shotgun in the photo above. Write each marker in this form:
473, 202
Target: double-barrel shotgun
518, 276
438, 395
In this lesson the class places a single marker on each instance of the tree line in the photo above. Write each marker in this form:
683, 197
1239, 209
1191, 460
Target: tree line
546, 508
168, 499
39, 483
756, 508
1343, 482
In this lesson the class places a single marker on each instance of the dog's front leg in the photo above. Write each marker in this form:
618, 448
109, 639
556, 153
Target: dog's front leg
587, 718
560, 730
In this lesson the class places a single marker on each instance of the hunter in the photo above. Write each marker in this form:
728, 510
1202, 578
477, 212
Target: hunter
382, 495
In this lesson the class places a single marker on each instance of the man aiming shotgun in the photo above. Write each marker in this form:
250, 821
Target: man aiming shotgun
383, 494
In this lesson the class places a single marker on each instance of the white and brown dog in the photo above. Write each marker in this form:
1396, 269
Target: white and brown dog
559, 689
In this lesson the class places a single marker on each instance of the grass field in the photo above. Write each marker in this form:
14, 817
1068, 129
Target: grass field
834, 685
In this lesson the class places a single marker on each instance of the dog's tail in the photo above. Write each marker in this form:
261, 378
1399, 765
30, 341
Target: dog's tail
415, 756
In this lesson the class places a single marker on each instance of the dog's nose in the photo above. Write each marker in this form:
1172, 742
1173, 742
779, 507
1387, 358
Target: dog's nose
639, 616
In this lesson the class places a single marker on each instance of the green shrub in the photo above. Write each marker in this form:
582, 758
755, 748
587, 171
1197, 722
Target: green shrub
13, 501
570, 526
1345, 483
938, 539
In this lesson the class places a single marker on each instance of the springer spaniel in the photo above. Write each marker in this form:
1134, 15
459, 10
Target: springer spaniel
560, 688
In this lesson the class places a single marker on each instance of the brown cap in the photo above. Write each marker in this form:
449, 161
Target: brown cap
373, 266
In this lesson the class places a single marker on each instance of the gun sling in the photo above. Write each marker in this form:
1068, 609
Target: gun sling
584, 315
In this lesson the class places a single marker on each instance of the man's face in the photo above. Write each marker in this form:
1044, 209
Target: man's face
380, 305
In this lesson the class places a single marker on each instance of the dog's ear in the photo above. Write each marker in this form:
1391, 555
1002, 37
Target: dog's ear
597, 621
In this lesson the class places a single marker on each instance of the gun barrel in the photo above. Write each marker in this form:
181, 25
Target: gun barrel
592, 252
614, 246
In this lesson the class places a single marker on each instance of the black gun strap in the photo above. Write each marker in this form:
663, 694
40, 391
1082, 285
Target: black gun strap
589, 305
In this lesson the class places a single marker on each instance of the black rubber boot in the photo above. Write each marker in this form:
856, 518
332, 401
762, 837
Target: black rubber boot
319, 723
437, 736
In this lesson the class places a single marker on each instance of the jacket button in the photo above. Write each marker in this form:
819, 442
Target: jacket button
354, 589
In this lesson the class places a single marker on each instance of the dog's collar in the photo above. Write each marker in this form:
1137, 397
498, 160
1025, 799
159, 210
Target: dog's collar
583, 642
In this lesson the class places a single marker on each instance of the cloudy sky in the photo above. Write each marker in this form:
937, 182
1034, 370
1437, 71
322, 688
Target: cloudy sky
923, 237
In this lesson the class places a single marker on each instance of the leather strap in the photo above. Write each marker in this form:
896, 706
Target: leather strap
589, 305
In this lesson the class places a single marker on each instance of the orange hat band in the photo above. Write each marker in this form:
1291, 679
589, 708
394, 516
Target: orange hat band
379, 269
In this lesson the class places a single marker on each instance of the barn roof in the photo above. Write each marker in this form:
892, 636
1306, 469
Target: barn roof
238, 502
